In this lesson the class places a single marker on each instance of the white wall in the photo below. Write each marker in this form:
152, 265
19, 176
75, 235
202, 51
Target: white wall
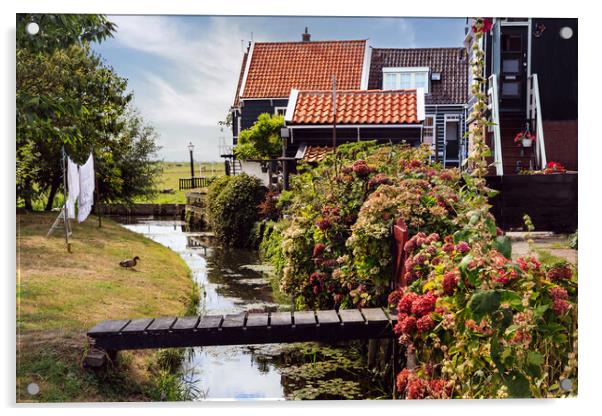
254, 169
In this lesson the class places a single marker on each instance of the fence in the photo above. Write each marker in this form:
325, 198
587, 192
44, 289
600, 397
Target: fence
191, 183
550, 201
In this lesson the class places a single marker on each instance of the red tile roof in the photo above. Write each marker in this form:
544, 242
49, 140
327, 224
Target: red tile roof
358, 107
277, 67
316, 153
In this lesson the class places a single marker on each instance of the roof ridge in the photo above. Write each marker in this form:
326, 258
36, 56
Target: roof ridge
420, 49
312, 41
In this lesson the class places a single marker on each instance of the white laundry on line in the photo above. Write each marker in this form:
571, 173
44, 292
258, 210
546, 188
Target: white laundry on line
73, 183
86, 189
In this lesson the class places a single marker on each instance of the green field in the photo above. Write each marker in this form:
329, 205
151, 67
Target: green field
173, 171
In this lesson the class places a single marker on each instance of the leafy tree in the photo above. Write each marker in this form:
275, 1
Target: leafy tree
262, 140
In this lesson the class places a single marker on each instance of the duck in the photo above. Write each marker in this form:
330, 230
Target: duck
129, 263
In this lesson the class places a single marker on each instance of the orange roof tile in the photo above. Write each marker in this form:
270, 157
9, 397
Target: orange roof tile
316, 153
358, 107
277, 67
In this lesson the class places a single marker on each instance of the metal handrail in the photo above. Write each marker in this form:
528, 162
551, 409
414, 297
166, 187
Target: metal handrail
534, 108
492, 94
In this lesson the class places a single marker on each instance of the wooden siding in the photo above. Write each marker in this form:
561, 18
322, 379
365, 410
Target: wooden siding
251, 109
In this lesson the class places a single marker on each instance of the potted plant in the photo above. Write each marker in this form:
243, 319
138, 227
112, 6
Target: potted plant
524, 139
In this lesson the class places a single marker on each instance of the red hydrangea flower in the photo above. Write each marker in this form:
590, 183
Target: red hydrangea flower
432, 238
448, 247
323, 224
440, 389
417, 389
408, 325
361, 169
463, 247
318, 249
560, 273
405, 304
379, 179
450, 282
409, 245
402, 379
525, 263
424, 304
558, 293
560, 306
486, 28
420, 258
394, 298
415, 163
425, 324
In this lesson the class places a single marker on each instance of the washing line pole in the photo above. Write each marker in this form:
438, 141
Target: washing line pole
65, 213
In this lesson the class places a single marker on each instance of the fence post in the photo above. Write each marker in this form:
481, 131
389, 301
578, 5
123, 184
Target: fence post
400, 236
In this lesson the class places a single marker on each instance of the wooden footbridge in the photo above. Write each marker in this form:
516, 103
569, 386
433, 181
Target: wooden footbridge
109, 337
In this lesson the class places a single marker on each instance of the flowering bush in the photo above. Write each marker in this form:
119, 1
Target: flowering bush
336, 240
482, 325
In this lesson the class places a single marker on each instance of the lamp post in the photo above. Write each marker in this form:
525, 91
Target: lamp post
191, 148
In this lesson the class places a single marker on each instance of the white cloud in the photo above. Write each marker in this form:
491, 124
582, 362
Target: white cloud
191, 81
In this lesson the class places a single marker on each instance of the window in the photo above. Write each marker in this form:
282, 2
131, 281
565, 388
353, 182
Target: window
406, 78
428, 129
280, 110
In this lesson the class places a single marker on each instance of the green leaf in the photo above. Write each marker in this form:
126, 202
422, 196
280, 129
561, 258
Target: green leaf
535, 358
512, 298
461, 235
484, 302
518, 385
503, 245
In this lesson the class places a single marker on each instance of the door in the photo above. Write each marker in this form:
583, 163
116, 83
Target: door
452, 142
513, 68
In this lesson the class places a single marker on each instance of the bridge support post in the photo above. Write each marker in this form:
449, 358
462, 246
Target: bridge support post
98, 358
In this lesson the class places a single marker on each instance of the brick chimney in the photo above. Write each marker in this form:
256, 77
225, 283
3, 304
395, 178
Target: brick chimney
306, 37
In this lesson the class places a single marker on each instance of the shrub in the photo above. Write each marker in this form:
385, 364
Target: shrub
481, 325
336, 244
232, 207
261, 140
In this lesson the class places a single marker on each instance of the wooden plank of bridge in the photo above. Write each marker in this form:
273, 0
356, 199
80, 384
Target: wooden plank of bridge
375, 316
281, 319
327, 318
304, 318
108, 327
186, 323
210, 322
161, 324
137, 325
351, 317
257, 320
234, 321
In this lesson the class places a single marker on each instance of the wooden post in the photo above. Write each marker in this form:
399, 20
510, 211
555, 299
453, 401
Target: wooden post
400, 236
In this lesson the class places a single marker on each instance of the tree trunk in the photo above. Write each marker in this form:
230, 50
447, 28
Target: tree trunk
56, 181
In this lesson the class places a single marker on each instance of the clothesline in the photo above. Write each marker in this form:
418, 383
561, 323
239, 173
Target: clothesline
80, 181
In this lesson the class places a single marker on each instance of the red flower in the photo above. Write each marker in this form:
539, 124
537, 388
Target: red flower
463, 247
408, 325
323, 224
525, 263
560, 273
318, 249
558, 293
440, 389
554, 167
379, 179
402, 379
448, 247
424, 304
394, 298
417, 389
450, 282
361, 169
560, 306
405, 304
425, 324
485, 28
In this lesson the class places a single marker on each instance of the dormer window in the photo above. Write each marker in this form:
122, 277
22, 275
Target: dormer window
401, 78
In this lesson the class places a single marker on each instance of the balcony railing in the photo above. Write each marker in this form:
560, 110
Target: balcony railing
535, 118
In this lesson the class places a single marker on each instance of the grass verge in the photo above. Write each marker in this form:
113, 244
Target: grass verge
61, 295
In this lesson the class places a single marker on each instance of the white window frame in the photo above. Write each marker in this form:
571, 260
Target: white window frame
433, 128
414, 70
282, 110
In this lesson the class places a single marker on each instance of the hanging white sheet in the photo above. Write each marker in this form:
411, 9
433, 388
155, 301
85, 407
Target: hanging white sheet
73, 184
86, 189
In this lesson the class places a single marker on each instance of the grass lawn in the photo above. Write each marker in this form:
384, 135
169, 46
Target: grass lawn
173, 171
60, 295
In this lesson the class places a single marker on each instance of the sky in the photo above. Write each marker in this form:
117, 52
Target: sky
183, 70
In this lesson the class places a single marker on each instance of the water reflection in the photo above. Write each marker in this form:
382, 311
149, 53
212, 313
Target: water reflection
232, 281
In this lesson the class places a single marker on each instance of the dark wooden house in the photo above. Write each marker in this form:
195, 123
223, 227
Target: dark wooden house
531, 66
442, 73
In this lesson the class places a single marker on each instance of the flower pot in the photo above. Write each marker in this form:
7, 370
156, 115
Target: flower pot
527, 142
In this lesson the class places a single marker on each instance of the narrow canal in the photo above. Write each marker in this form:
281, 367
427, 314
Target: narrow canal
231, 281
